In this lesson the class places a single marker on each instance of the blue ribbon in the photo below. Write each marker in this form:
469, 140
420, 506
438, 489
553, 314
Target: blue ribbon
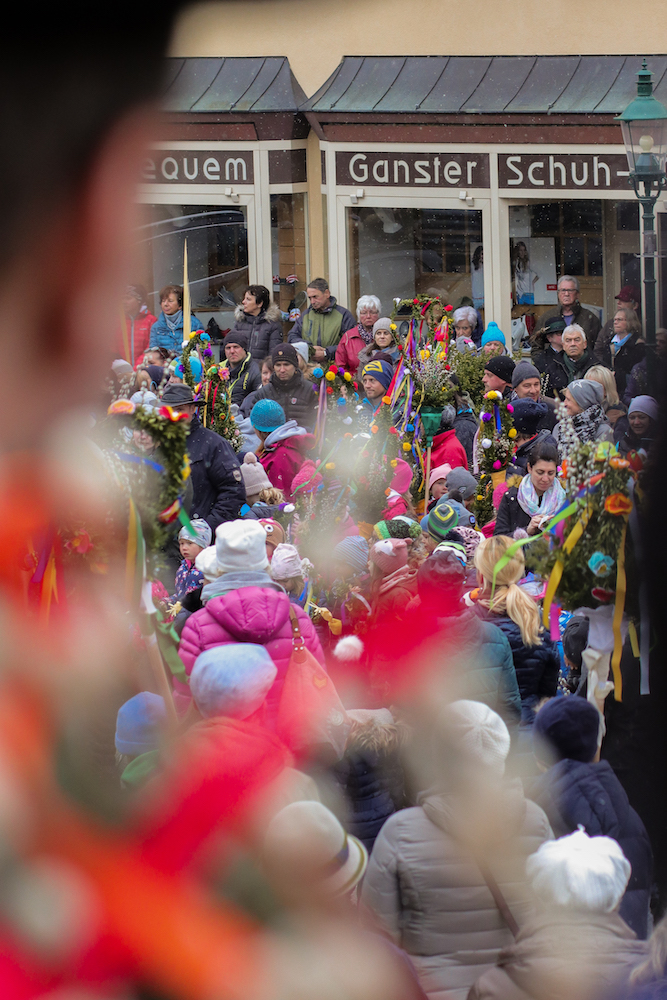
139, 460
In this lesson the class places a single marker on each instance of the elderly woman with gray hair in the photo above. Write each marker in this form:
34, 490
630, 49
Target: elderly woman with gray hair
360, 336
585, 416
466, 323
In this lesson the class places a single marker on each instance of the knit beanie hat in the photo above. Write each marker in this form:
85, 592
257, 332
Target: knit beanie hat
202, 531
465, 516
522, 371
566, 728
232, 680
254, 477
457, 549
527, 415
500, 365
493, 332
381, 371
402, 477
644, 404
285, 352
234, 337
121, 368
306, 480
266, 415
586, 392
400, 526
353, 551
575, 639
196, 368
441, 520
478, 733
145, 398
274, 533
440, 472
287, 563
441, 575
460, 479
301, 348
390, 554
240, 545
384, 323
471, 540
579, 872
139, 724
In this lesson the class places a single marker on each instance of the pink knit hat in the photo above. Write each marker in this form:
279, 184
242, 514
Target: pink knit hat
390, 554
440, 472
402, 477
308, 477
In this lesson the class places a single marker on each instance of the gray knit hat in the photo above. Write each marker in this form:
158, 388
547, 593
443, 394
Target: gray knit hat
586, 392
523, 371
255, 478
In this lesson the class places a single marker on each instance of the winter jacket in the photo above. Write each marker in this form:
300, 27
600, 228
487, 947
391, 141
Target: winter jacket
550, 362
429, 894
577, 369
393, 594
297, 397
244, 378
631, 442
264, 331
511, 514
323, 328
637, 380
573, 793
188, 578
251, 614
284, 453
447, 449
587, 320
138, 333
348, 350
537, 667
172, 340
518, 464
465, 426
218, 490
623, 361
564, 955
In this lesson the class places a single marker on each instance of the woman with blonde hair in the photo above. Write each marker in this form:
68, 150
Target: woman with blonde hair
506, 605
615, 411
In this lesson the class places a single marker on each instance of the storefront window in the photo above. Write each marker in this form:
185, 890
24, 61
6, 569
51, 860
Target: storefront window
289, 252
217, 256
401, 252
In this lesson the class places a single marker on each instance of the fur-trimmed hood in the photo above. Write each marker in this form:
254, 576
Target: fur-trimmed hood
271, 315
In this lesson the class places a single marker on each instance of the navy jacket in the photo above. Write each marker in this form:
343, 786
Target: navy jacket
217, 483
372, 781
572, 794
297, 397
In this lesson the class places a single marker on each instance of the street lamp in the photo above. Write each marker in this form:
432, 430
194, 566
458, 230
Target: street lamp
644, 127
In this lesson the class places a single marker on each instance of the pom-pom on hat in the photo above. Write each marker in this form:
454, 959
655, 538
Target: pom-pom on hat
202, 531
586, 392
566, 728
527, 415
381, 371
502, 366
400, 526
644, 404
285, 352
523, 371
578, 872
440, 472
232, 680
255, 478
266, 415
353, 551
306, 480
402, 477
441, 520
139, 724
390, 554
493, 332
477, 733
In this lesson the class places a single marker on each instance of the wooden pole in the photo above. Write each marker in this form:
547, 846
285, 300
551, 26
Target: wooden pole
427, 477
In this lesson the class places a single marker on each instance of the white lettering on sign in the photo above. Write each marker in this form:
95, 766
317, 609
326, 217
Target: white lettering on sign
359, 173
554, 166
537, 165
584, 178
197, 167
408, 169
381, 171
170, 169
148, 172
562, 171
237, 167
452, 172
190, 176
470, 166
597, 167
424, 175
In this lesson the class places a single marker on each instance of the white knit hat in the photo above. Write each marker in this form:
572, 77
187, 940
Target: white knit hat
305, 841
579, 872
478, 733
254, 477
287, 563
239, 545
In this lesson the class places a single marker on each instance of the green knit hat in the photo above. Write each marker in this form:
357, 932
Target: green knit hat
398, 527
442, 519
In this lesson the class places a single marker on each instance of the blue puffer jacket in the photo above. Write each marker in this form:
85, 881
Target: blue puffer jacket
172, 340
573, 793
536, 667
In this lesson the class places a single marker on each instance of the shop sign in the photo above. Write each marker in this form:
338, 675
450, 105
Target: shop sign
560, 171
419, 170
198, 166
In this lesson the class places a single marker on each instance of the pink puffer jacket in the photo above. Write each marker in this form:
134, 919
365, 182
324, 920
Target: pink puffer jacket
251, 614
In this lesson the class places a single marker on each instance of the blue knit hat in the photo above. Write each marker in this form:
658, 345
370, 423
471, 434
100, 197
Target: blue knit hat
493, 332
266, 415
381, 371
353, 551
139, 724
232, 680
566, 728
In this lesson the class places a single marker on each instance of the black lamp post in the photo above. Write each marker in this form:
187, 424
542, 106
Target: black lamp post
644, 127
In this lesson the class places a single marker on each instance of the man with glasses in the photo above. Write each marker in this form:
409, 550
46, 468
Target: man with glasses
571, 310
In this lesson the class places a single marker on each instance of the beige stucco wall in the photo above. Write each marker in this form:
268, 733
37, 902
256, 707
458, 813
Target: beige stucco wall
316, 34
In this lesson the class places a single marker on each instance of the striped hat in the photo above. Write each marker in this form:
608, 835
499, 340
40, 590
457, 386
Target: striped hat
457, 549
353, 551
441, 520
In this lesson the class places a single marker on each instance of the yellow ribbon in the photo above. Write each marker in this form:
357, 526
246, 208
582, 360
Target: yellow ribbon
557, 571
634, 640
49, 589
619, 607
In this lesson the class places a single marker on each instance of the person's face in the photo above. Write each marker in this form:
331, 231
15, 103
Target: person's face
143, 441
628, 305
661, 344
131, 305
342, 571
556, 341
542, 475
529, 389
383, 338
493, 347
169, 305
189, 549
372, 388
367, 317
153, 358
284, 370
640, 423
613, 415
571, 405
234, 353
620, 323
463, 328
266, 374
251, 305
522, 252
567, 293
492, 381
317, 299
439, 488
189, 409
574, 344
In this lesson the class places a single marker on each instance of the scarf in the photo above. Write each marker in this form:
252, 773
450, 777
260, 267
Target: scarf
236, 581
366, 335
587, 423
573, 367
546, 505
174, 322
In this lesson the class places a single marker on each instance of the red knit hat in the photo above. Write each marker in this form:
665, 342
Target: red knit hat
390, 554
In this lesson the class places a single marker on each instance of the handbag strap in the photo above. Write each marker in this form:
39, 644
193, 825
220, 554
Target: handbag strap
500, 900
298, 641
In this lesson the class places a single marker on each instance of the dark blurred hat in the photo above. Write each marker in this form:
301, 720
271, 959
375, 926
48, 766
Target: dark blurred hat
629, 294
285, 352
179, 395
527, 415
567, 728
500, 365
236, 338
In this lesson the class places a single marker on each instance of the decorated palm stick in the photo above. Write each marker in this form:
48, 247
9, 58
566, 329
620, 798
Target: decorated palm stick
187, 322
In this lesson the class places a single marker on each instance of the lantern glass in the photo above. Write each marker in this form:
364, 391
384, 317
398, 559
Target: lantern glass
646, 145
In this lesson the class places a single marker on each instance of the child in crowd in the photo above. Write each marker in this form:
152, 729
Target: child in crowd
437, 483
291, 572
262, 499
188, 577
399, 500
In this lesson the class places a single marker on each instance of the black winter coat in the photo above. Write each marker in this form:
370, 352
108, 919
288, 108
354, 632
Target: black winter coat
587, 320
373, 783
518, 464
629, 355
244, 379
264, 332
296, 396
465, 428
537, 667
511, 514
550, 362
218, 490
573, 793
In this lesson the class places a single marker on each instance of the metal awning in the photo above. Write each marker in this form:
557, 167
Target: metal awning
562, 85
239, 84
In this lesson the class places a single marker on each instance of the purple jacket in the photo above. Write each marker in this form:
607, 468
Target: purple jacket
251, 614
